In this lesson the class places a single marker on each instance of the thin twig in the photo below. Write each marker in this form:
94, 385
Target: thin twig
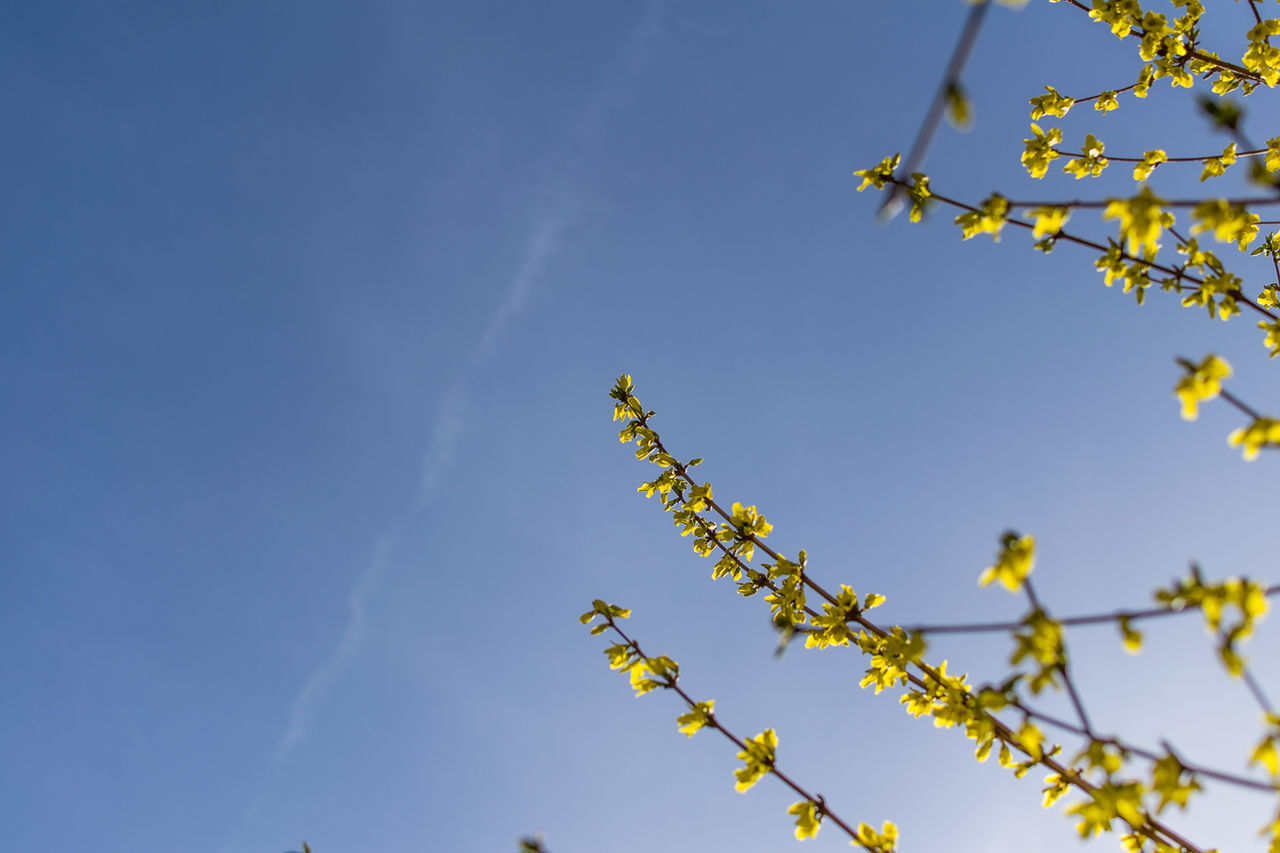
1063, 665
1096, 204
1255, 152
1240, 404
714, 722
1075, 101
1256, 689
950, 79
1208, 772
1091, 619
1256, 15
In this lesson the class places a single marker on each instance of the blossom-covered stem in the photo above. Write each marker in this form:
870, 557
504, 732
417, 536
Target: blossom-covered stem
1139, 32
714, 723
1150, 827
1091, 244
1005, 733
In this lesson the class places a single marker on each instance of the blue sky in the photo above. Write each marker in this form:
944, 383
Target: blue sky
311, 316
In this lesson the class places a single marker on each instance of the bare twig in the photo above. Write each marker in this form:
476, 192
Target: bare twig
1113, 617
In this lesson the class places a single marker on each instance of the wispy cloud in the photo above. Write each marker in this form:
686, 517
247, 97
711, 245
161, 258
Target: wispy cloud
321, 681
545, 237
540, 246
438, 455
580, 145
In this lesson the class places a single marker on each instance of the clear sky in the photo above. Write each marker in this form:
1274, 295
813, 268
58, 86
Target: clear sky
309, 315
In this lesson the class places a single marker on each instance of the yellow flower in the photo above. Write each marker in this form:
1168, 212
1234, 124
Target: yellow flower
1202, 382
1260, 433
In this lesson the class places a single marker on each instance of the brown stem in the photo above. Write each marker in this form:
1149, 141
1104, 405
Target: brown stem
1221, 776
1097, 204
1250, 153
1151, 828
1100, 94
1257, 17
1080, 241
1063, 665
714, 722
1256, 689
1091, 619
932, 118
